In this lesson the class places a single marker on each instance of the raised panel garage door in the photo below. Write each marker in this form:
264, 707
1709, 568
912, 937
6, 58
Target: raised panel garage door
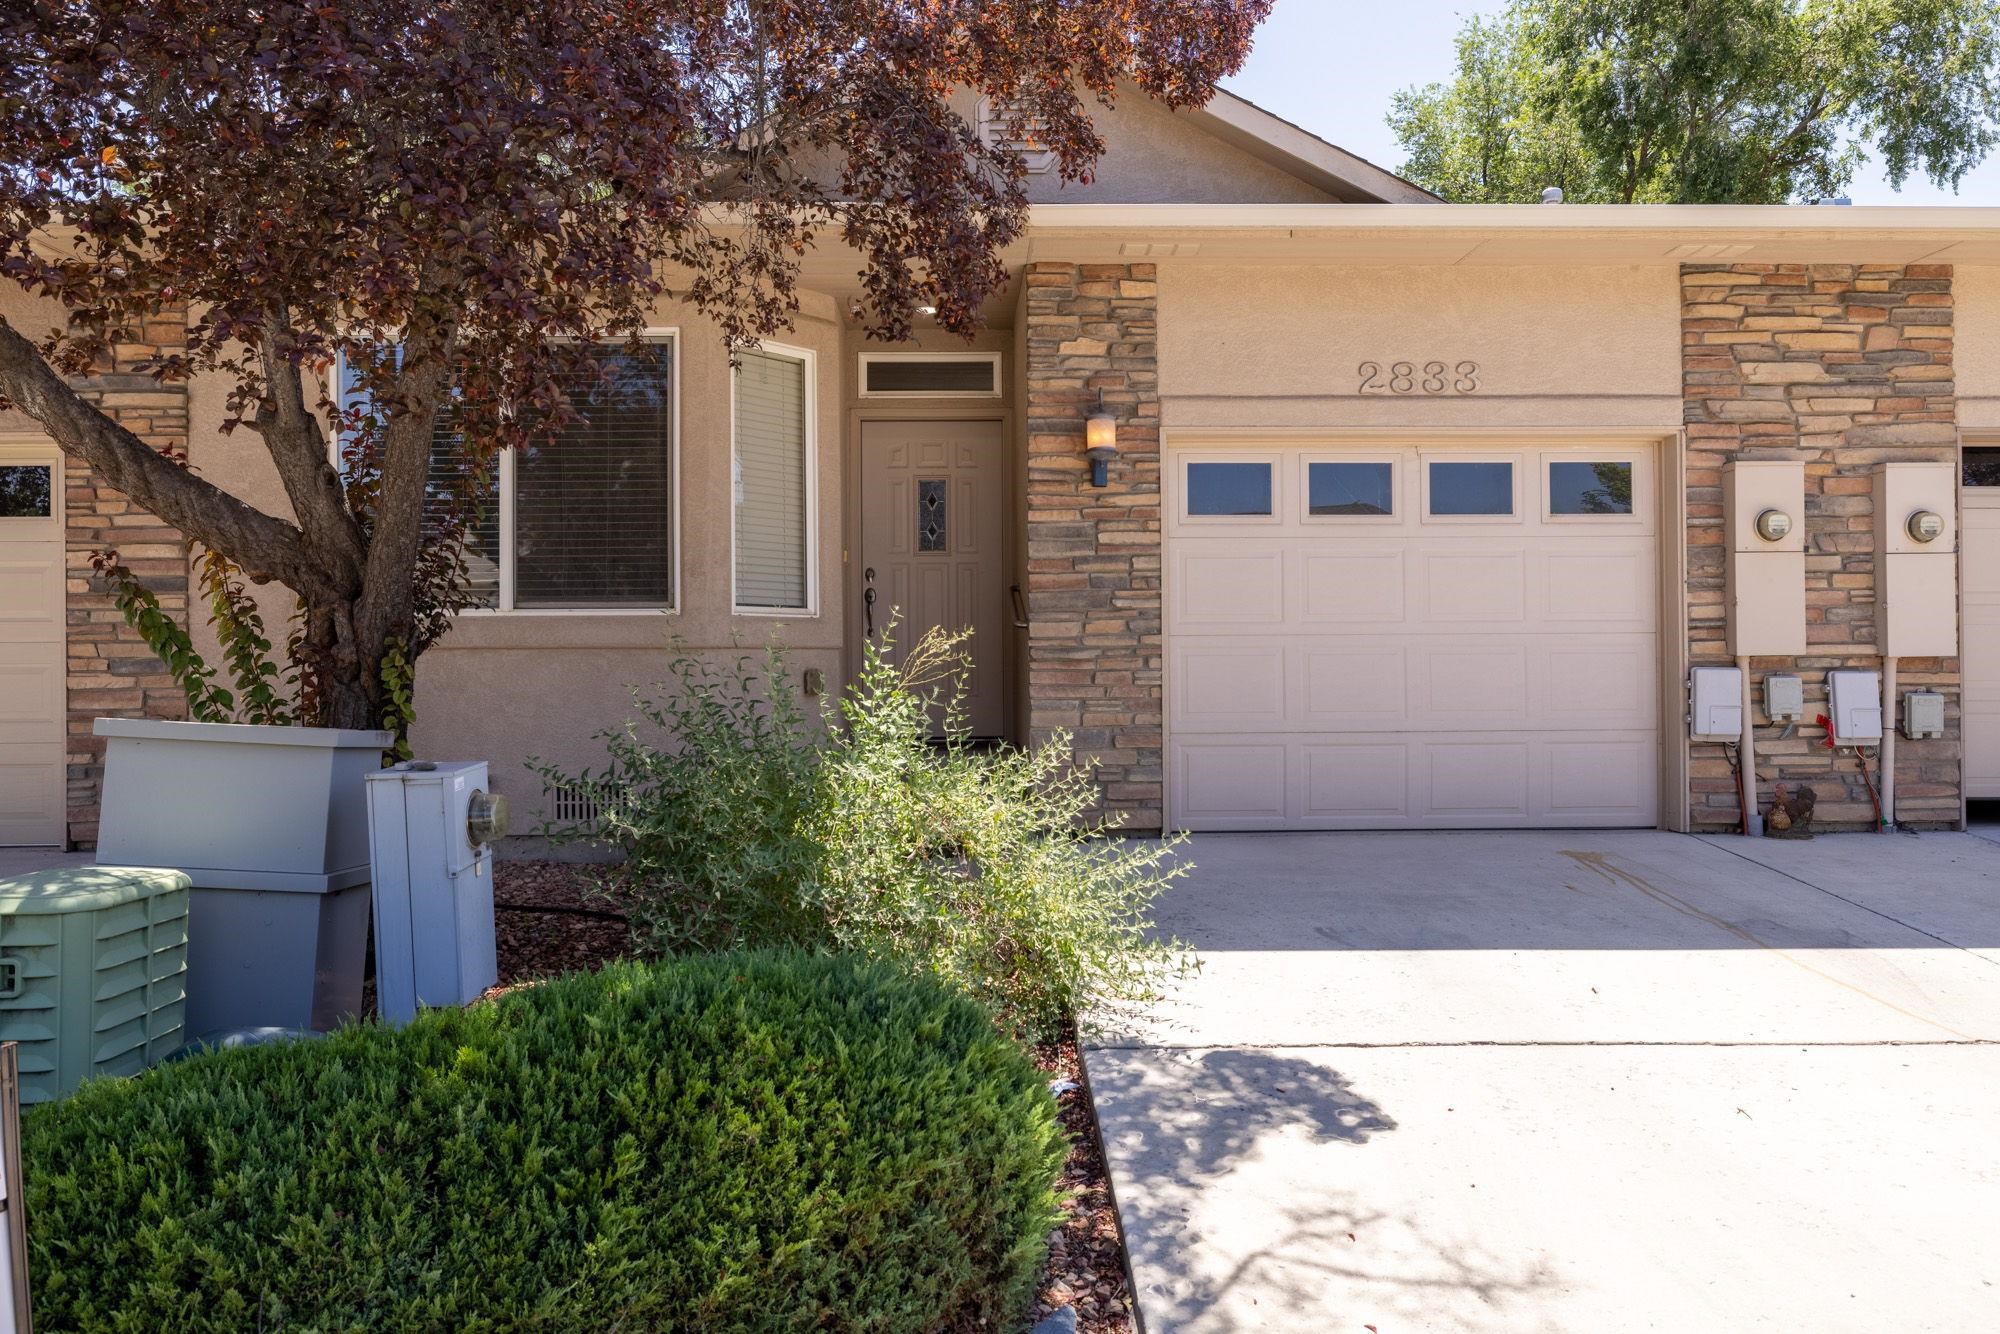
1412, 638
31, 649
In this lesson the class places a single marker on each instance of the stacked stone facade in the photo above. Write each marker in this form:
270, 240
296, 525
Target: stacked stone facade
1093, 587
1846, 367
110, 671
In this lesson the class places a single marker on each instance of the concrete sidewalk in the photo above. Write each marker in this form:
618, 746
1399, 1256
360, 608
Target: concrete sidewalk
1568, 1081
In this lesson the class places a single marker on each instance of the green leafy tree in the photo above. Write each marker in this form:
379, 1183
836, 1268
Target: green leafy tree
1484, 137
1706, 101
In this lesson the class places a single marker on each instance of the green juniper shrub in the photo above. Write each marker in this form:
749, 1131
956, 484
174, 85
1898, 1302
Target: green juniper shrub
744, 821
751, 1141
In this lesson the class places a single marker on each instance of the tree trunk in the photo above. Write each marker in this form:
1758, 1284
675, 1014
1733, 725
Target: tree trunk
342, 665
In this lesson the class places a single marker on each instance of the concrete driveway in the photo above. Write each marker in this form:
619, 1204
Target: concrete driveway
1568, 1082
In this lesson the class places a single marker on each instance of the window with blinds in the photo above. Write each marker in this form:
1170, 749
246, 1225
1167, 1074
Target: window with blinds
772, 483
593, 507
591, 510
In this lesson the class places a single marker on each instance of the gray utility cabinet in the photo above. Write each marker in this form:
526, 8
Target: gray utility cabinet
431, 827
271, 826
93, 967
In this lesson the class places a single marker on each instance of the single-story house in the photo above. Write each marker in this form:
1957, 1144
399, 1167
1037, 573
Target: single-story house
1420, 514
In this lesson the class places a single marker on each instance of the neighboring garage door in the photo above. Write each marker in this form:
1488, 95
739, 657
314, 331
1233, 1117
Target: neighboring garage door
1424, 636
31, 650
1979, 539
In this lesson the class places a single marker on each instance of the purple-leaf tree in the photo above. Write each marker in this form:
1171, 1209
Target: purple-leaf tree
482, 185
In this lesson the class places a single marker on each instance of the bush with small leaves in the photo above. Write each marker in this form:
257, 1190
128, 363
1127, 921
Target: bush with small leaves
744, 821
760, 1141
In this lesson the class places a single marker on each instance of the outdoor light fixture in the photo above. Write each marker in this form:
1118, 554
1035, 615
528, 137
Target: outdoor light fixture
1100, 438
1926, 526
1773, 525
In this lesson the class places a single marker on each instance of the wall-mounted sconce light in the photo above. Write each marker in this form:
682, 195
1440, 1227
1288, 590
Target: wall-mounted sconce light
1100, 439
1774, 525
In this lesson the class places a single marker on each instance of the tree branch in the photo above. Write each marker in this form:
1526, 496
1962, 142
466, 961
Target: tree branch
264, 548
292, 434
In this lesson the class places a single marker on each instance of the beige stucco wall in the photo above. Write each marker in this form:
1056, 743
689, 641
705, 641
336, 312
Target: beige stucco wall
1279, 346
505, 687
1976, 307
1156, 156
508, 687
31, 318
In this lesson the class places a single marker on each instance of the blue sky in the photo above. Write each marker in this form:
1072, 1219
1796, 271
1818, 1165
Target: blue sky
1332, 66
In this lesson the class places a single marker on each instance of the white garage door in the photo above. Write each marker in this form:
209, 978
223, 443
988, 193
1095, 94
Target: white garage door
1979, 535
31, 649
1412, 637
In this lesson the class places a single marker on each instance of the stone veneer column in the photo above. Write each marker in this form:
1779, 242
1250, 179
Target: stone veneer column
1846, 366
1094, 636
110, 671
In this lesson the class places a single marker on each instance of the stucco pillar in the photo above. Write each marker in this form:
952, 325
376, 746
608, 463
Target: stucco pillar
1093, 568
1847, 367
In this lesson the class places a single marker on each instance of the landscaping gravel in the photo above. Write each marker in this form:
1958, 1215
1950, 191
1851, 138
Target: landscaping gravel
549, 922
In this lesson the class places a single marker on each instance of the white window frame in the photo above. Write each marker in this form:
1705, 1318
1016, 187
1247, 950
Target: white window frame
32, 449
1641, 487
668, 334
991, 358
1184, 496
809, 360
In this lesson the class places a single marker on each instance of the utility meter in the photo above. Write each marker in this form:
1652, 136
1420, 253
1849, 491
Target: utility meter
1765, 577
1926, 526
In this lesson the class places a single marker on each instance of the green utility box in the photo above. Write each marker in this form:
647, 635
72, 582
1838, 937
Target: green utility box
93, 972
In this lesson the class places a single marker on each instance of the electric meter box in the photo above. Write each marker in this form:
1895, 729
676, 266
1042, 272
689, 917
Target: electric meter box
1784, 698
1916, 554
429, 831
93, 972
1923, 715
1765, 575
1854, 703
1715, 703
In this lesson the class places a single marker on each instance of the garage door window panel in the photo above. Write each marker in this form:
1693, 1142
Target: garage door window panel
1590, 489
1350, 489
27, 491
1982, 465
1230, 490
1471, 489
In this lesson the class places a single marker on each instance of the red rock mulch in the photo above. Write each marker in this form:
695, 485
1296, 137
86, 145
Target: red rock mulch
549, 922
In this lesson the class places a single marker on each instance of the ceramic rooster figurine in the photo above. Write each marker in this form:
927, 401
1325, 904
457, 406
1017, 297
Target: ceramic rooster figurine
1791, 817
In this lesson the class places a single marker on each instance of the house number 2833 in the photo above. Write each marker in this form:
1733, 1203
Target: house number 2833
1418, 377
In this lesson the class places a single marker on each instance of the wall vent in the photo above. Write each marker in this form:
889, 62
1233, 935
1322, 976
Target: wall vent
1712, 250
996, 127
570, 807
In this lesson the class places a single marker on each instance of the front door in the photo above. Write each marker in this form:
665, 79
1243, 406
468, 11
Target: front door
933, 507
31, 649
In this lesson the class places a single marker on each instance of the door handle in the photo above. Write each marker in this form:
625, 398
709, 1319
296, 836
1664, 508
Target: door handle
1020, 608
868, 602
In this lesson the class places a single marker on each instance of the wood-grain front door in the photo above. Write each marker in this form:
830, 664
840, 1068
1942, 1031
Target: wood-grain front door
933, 507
